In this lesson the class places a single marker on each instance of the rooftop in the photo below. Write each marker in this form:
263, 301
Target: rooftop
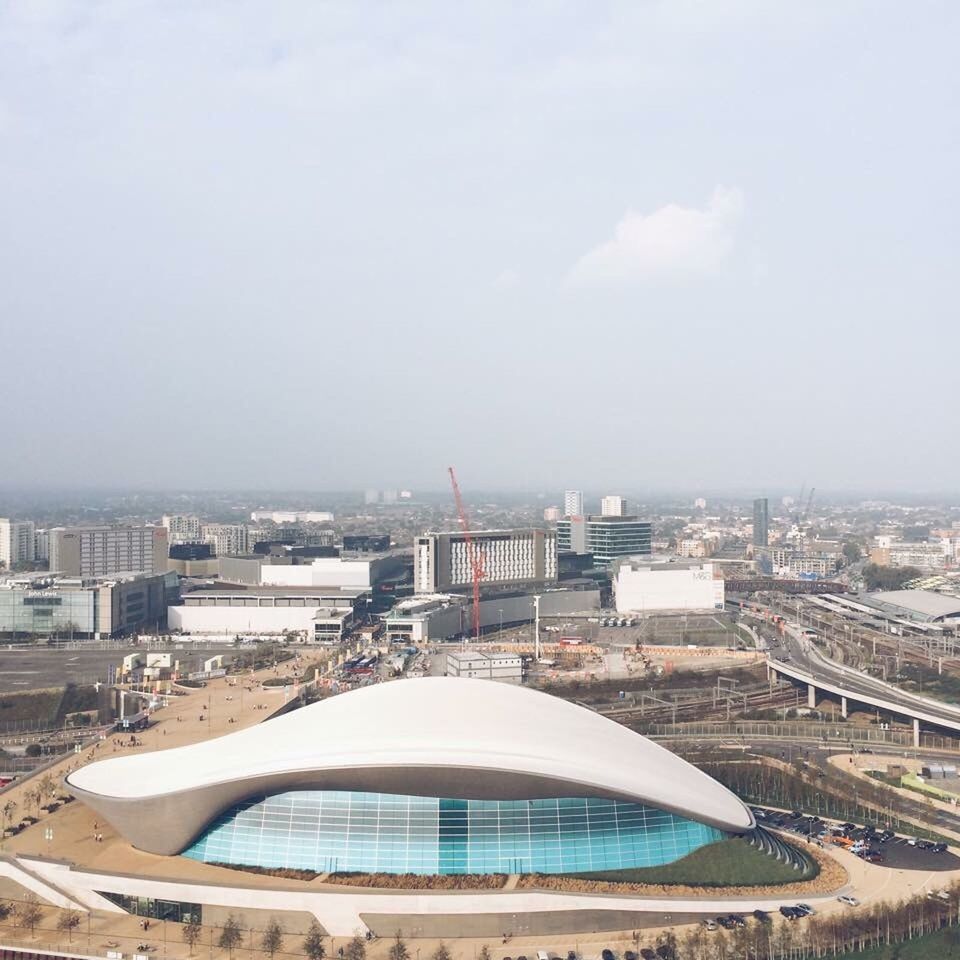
924, 603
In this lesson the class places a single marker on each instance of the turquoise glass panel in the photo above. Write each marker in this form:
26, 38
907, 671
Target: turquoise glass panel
328, 831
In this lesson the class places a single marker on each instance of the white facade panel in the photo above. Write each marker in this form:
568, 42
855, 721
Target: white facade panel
641, 588
322, 572
233, 620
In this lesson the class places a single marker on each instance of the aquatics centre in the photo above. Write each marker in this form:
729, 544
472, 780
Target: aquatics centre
422, 776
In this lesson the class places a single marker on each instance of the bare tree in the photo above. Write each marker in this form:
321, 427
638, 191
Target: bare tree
356, 949
313, 942
272, 939
67, 922
441, 953
231, 936
192, 931
398, 949
28, 913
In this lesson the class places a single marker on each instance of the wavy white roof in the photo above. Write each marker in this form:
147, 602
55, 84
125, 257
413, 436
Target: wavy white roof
476, 726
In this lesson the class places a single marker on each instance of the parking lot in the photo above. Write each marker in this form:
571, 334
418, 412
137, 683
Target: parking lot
898, 852
39, 668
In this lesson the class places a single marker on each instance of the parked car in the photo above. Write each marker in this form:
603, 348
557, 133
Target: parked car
761, 916
710, 924
848, 900
806, 909
606, 954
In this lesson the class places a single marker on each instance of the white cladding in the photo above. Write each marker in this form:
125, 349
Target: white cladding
413, 727
321, 572
573, 503
643, 587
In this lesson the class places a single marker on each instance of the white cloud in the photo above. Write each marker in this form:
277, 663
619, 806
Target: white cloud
506, 279
670, 243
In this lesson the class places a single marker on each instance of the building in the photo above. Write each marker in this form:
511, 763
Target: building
17, 543
181, 529
366, 543
291, 516
193, 560
225, 538
429, 776
607, 538
761, 522
573, 503
552, 514
922, 605
505, 667
700, 504
359, 572
105, 551
41, 545
442, 561
45, 605
315, 616
613, 506
641, 587
437, 617
926, 557
695, 547
791, 562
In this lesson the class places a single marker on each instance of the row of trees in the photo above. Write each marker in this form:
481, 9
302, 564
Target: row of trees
853, 931
827, 791
44, 792
272, 939
856, 930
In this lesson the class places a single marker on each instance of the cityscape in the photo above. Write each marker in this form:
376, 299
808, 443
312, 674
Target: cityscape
458, 499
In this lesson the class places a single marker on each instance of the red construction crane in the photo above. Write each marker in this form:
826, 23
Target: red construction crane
473, 554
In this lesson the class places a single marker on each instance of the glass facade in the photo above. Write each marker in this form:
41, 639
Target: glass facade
334, 831
28, 611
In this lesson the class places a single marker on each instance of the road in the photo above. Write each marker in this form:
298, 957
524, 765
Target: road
799, 658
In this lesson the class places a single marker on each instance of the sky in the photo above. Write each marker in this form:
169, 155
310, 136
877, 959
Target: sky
658, 244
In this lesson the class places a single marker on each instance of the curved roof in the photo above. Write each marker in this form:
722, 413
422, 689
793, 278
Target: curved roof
421, 735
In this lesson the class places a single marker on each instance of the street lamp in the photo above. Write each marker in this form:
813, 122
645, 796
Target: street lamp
501, 623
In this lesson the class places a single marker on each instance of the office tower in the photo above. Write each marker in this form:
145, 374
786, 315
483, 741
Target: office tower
613, 507
605, 537
761, 522
573, 503
104, 551
16, 542
442, 560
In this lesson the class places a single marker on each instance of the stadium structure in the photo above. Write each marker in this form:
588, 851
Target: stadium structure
428, 776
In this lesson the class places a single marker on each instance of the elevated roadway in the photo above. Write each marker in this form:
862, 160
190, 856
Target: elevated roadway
800, 661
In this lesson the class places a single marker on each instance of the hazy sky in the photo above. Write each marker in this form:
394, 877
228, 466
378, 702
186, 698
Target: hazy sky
634, 245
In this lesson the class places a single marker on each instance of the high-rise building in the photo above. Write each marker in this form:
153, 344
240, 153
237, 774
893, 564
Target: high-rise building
573, 503
371, 496
16, 542
441, 561
226, 539
552, 514
761, 522
613, 507
700, 503
605, 537
181, 529
104, 551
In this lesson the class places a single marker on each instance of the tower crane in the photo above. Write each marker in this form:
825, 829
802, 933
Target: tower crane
473, 554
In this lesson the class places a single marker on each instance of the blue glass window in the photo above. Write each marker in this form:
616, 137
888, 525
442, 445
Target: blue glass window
384, 833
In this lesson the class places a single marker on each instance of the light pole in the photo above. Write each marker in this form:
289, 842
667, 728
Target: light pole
501, 623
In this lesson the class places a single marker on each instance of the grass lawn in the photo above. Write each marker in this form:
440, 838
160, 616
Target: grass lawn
727, 863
